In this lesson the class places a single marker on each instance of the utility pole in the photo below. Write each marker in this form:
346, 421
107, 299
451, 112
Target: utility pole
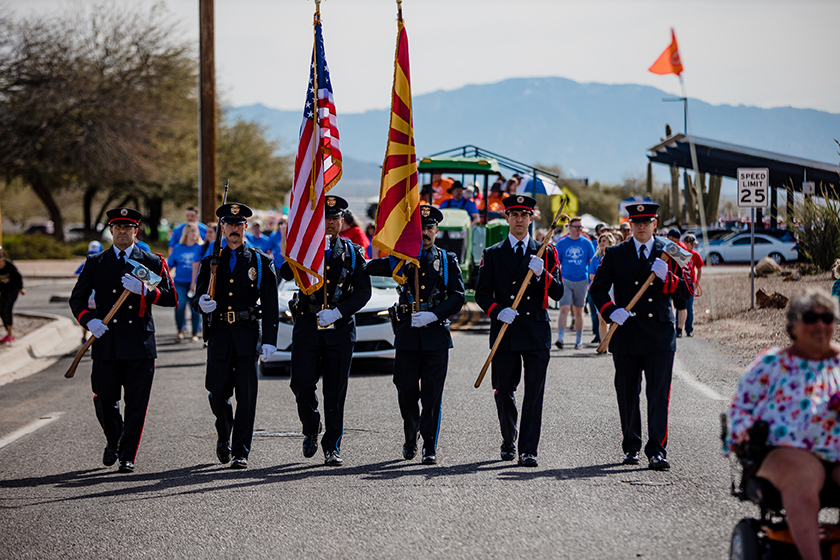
207, 114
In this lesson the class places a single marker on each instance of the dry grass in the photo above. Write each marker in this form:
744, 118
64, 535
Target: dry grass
736, 328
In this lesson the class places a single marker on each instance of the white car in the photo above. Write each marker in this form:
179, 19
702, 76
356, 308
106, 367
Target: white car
374, 336
736, 248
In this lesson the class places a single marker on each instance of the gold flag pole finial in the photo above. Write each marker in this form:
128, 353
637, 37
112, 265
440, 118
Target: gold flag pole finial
399, 10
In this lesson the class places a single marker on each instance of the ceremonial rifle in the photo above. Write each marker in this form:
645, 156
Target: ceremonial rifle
522, 288
214, 263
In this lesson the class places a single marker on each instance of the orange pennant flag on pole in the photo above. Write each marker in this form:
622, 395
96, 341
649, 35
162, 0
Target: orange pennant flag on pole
669, 61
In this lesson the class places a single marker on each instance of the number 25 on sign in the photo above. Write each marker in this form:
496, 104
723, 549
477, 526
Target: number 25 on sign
753, 185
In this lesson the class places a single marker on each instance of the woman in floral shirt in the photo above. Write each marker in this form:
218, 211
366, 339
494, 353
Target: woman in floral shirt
796, 390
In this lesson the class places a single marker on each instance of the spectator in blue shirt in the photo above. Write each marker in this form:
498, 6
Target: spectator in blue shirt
574, 252
605, 240
276, 240
192, 218
458, 201
184, 261
256, 239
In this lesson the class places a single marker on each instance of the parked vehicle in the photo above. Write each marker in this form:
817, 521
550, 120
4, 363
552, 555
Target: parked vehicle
374, 336
736, 248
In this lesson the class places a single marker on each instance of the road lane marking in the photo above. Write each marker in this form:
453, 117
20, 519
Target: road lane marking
689, 379
29, 428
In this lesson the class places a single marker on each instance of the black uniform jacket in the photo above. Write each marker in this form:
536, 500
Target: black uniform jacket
499, 279
130, 336
449, 297
239, 291
652, 329
354, 294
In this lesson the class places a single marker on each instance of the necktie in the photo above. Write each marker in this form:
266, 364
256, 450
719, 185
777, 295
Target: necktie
520, 251
642, 253
122, 258
232, 260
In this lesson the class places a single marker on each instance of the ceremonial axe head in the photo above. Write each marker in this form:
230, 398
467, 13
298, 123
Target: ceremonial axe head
149, 278
679, 255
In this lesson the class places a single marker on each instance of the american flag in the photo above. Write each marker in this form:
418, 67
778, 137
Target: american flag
317, 170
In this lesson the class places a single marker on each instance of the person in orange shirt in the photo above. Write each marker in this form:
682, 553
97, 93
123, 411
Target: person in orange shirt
440, 188
495, 206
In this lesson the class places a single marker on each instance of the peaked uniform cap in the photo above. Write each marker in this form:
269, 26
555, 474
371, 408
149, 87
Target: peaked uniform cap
123, 216
233, 213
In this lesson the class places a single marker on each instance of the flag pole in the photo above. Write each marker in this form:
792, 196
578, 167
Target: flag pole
701, 207
316, 135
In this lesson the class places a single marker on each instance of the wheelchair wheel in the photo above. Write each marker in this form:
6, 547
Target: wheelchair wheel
745, 544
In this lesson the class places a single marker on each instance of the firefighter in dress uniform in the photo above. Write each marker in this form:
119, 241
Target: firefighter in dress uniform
528, 340
124, 351
323, 338
422, 338
646, 342
246, 289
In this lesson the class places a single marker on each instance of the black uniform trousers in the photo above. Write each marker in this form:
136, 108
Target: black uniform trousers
505, 374
107, 379
313, 358
233, 375
657, 368
419, 376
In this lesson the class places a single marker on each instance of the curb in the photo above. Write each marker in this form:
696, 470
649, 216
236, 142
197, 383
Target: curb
39, 349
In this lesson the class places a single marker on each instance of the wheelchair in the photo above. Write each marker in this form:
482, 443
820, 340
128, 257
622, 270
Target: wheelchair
768, 537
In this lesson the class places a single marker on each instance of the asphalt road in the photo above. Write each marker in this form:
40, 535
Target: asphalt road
59, 501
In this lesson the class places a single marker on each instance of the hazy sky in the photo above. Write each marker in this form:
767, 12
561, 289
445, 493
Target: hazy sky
765, 53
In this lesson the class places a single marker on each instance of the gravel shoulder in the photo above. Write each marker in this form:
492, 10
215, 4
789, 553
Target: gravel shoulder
722, 314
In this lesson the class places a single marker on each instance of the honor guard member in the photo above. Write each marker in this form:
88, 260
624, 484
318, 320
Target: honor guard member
246, 289
528, 340
323, 338
124, 351
422, 338
646, 342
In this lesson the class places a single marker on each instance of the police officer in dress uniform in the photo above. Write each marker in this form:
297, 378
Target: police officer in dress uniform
422, 338
323, 339
246, 289
646, 342
124, 351
528, 340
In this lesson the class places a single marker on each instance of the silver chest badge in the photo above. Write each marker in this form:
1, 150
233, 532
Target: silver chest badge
252, 273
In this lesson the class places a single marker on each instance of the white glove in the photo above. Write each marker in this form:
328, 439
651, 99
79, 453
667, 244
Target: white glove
536, 264
206, 304
507, 315
327, 243
132, 284
267, 351
328, 316
422, 318
660, 268
620, 315
96, 327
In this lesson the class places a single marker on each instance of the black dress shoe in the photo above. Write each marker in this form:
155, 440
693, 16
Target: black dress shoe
239, 463
126, 466
223, 452
429, 459
508, 452
332, 458
310, 446
658, 463
527, 460
558, 344
109, 457
631, 458
409, 451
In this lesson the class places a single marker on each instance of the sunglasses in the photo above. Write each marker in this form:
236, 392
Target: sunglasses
811, 317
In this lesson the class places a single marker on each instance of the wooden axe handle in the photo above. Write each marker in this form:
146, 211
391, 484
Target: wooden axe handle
604, 343
72, 370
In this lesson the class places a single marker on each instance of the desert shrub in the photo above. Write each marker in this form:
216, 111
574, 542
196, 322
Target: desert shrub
816, 222
35, 246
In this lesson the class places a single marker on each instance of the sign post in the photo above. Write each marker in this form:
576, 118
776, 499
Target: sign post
753, 192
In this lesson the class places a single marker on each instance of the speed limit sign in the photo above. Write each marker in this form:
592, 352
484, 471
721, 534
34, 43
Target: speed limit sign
753, 187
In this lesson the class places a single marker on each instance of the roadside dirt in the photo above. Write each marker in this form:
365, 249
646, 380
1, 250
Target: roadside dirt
737, 329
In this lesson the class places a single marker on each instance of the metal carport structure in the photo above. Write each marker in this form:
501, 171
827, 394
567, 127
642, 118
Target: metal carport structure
724, 159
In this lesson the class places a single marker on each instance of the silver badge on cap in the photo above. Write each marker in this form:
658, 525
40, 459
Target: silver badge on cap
520, 200
234, 209
640, 207
123, 212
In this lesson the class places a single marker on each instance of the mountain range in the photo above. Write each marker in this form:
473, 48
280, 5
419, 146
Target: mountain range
596, 131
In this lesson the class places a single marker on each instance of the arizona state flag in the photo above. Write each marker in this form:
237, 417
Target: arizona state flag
398, 229
669, 61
